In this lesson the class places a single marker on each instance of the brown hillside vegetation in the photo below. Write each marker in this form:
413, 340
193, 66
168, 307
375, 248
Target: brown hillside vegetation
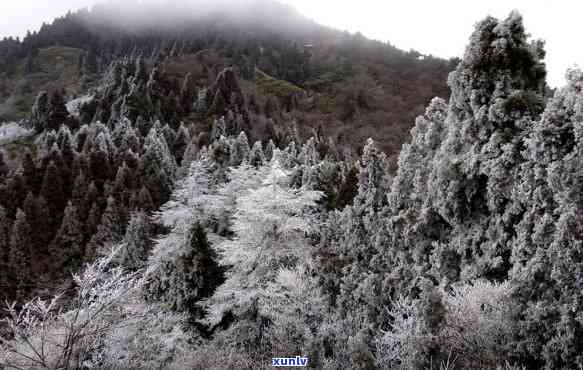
54, 67
357, 92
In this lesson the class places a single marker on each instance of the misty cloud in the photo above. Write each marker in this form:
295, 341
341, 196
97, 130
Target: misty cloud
438, 28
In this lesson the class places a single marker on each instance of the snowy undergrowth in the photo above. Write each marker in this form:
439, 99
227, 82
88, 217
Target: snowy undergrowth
105, 324
74, 106
12, 131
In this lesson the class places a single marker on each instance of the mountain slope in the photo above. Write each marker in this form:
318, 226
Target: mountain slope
356, 87
47, 69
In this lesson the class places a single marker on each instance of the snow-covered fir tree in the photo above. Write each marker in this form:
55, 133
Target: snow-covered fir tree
136, 243
67, 248
270, 224
21, 254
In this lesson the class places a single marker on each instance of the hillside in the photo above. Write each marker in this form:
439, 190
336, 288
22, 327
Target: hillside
50, 68
390, 86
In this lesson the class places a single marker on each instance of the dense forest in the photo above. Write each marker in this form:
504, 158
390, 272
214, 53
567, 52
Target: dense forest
207, 197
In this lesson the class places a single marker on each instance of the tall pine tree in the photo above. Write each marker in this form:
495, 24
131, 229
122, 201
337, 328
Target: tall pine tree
21, 255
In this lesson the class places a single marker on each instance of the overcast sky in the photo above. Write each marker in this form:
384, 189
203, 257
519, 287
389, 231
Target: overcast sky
440, 28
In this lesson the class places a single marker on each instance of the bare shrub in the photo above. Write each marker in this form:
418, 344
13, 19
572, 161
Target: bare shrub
478, 324
474, 333
400, 347
99, 326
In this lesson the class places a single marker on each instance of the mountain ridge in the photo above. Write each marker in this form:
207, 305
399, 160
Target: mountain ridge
304, 53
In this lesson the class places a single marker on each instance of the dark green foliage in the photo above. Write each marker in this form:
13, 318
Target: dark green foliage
29, 65
110, 230
206, 260
88, 111
256, 156
99, 163
29, 172
187, 93
90, 63
348, 189
224, 93
145, 201
67, 249
180, 143
40, 112
3, 167
137, 242
190, 276
43, 231
29, 208
123, 184
93, 221
52, 190
5, 267
15, 193
21, 255
78, 194
58, 113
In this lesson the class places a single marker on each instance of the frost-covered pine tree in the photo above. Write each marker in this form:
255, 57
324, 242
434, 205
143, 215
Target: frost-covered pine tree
256, 155
362, 218
109, 231
136, 242
296, 312
120, 131
190, 154
28, 169
270, 226
194, 197
145, 202
185, 274
410, 185
21, 254
5, 268
40, 112
239, 150
496, 95
100, 155
546, 269
65, 143
219, 129
67, 249
52, 189
3, 166
157, 166
220, 152
309, 155
92, 223
269, 150
181, 143
453, 199
169, 135
181, 264
123, 183
240, 180
201, 105
156, 147
371, 179
58, 113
